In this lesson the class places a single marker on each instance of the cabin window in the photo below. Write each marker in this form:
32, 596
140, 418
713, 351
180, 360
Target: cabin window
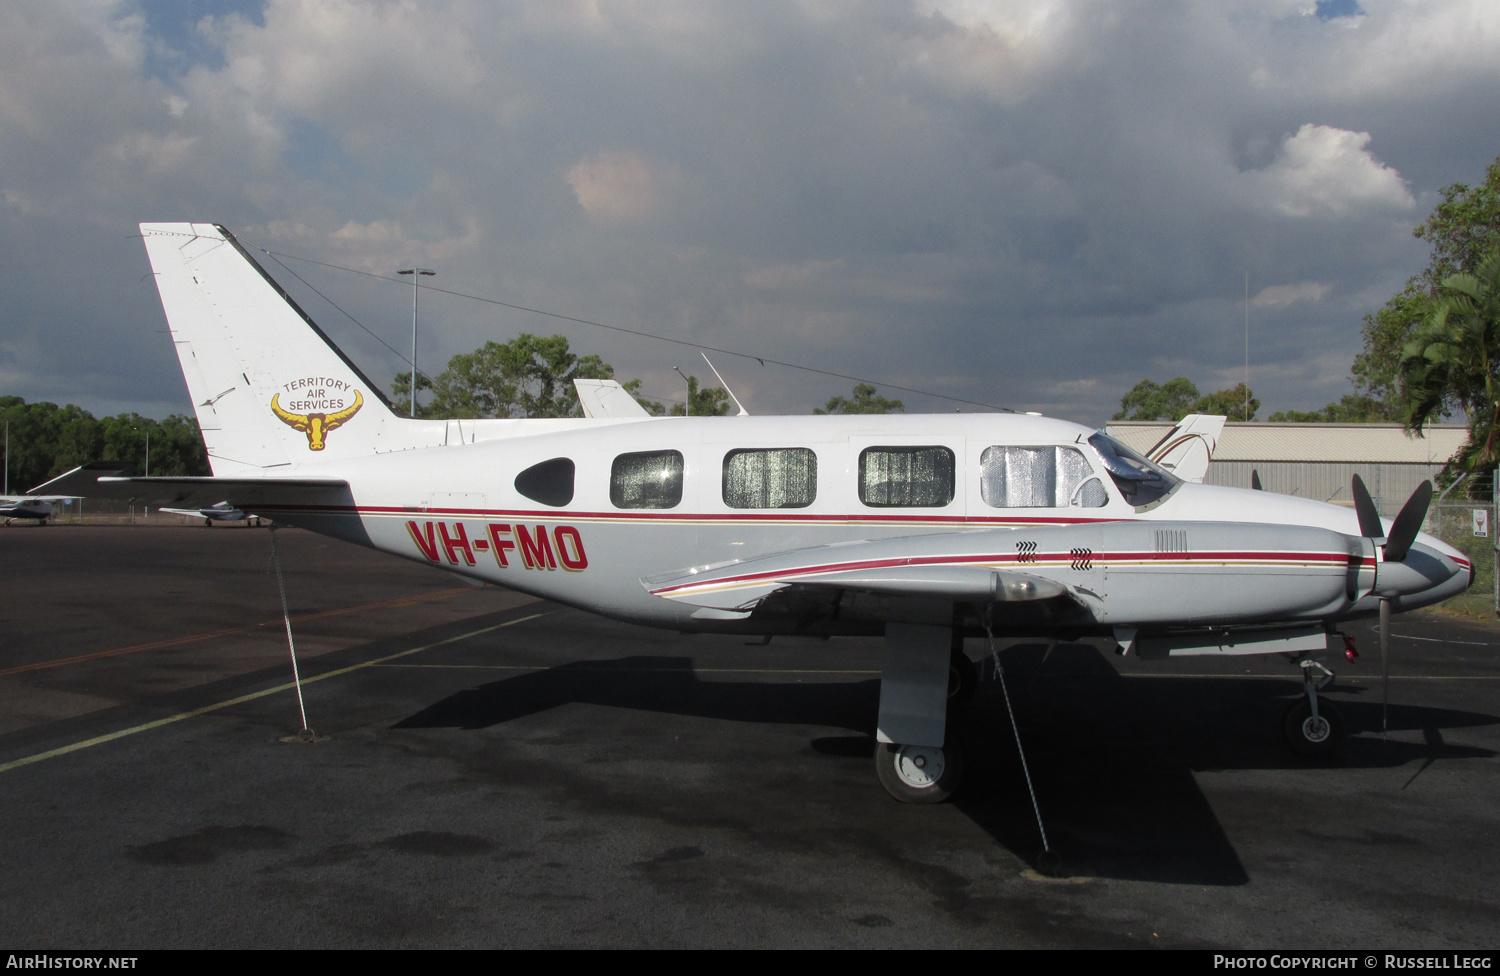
651, 479
1038, 477
782, 477
906, 477
550, 482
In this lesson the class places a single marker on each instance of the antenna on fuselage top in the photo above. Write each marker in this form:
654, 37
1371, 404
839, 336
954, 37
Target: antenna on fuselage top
743, 412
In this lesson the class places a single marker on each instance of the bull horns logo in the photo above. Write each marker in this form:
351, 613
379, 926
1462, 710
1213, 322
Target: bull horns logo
317, 425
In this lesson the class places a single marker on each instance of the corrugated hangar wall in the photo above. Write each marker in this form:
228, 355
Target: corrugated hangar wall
1327, 481
1318, 461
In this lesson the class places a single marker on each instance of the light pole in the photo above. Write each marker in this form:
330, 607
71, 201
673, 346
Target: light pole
416, 282
687, 405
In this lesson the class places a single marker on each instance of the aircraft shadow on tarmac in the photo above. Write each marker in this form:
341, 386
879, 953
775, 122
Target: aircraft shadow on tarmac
1112, 757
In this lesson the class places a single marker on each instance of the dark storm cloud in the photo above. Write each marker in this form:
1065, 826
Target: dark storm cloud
1034, 204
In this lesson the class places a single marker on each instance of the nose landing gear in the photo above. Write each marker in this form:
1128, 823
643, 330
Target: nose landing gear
1312, 727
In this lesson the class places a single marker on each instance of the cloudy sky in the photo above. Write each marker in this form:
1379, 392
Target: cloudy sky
1029, 203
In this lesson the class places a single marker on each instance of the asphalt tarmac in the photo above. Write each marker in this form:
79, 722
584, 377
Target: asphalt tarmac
492, 771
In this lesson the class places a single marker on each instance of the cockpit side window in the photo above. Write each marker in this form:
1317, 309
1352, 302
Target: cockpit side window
650, 479
906, 477
1038, 477
1141, 481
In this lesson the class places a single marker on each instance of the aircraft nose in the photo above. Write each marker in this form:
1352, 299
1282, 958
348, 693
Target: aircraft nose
1426, 576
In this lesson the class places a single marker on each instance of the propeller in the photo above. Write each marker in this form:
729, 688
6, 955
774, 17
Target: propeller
1404, 529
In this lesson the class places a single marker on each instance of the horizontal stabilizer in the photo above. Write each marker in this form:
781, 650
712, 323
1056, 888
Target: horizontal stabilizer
102, 480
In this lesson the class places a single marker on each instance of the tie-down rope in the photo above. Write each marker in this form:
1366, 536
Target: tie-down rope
286, 615
1015, 729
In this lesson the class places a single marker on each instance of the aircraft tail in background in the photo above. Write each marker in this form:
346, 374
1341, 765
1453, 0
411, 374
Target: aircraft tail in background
1188, 447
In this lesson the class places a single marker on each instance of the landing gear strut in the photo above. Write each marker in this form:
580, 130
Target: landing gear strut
1312, 727
963, 678
916, 756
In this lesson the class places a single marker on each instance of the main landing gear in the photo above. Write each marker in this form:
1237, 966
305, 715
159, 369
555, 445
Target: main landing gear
925, 677
1312, 727
920, 774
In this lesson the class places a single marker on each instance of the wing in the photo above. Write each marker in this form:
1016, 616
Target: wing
960, 567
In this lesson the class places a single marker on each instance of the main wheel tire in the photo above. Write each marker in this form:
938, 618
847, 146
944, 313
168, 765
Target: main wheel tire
920, 774
1308, 737
963, 679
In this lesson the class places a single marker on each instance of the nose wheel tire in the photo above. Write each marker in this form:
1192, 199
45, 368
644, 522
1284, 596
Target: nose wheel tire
919, 774
1308, 736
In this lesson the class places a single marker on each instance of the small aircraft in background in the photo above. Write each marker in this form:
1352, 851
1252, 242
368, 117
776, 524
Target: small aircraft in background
922, 529
222, 512
36, 508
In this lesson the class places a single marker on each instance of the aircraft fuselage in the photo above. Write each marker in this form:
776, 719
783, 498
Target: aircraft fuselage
1198, 556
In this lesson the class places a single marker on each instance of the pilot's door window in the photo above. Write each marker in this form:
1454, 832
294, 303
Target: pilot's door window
1038, 477
783, 477
906, 477
651, 479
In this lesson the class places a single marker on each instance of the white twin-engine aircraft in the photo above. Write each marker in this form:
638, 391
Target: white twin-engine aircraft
923, 529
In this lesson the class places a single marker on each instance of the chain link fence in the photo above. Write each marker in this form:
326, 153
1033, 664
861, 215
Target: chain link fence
1464, 518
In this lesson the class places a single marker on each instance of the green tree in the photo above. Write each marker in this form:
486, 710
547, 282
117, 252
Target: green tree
633, 387
1236, 403
709, 401
47, 440
1352, 409
529, 376
862, 400
1462, 229
1452, 361
1175, 399
1149, 400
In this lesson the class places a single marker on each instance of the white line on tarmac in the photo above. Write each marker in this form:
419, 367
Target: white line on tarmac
571, 668
147, 726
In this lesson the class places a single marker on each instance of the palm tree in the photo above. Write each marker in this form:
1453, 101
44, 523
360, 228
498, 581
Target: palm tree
1453, 360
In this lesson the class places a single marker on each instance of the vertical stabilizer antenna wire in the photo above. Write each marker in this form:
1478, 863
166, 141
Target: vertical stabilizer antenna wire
307, 735
989, 638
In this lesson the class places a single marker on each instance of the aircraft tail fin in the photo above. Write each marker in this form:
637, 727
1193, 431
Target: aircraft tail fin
607, 398
1188, 447
269, 388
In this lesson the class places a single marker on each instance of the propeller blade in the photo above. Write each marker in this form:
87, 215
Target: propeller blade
1385, 665
1255, 480
1364, 506
1408, 523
